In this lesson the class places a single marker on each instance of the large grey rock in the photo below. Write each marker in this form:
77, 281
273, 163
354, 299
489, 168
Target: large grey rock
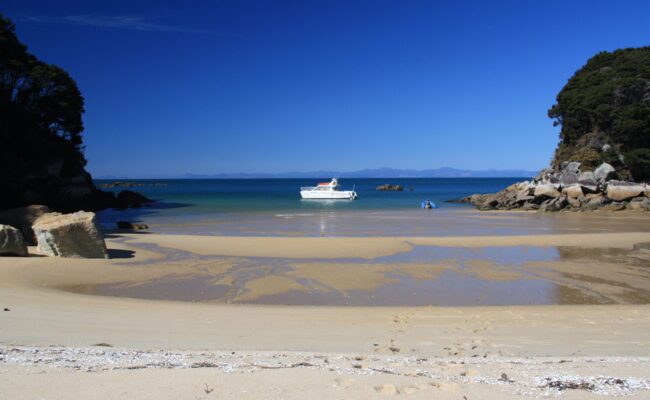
542, 175
574, 202
587, 178
12, 242
554, 204
620, 191
547, 190
573, 191
572, 167
70, 235
568, 178
604, 172
595, 201
23, 218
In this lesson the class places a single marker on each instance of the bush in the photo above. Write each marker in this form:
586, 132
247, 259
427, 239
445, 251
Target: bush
639, 163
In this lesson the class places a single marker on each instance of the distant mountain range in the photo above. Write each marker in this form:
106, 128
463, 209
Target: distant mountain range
444, 172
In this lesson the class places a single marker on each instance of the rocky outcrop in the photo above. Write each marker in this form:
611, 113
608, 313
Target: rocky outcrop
389, 187
115, 184
605, 172
70, 235
128, 198
134, 226
568, 189
12, 242
23, 218
621, 191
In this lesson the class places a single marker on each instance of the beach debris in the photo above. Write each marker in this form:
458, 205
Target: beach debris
445, 386
12, 242
204, 364
394, 349
102, 344
70, 235
207, 389
533, 377
6, 309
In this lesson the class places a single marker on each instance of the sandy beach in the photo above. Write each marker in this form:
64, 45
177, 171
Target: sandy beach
62, 340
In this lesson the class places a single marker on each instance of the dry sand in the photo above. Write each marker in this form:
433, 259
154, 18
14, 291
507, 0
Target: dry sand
168, 349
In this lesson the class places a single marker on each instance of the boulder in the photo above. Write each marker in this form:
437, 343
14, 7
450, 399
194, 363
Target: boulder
554, 204
572, 167
595, 201
546, 190
568, 178
620, 191
591, 189
135, 226
587, 178
12, 242
605, 172
541, 176
23, 218
519, 186
484, 201
573, 191
70, 235
128, 198
574, 202
524, 196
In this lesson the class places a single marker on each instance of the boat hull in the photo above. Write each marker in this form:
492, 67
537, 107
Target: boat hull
328, 195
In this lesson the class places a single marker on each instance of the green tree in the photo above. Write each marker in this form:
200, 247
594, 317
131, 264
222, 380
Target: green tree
607, 101
40, 122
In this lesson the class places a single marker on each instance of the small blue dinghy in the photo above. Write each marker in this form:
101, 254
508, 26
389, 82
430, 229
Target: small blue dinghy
428, 205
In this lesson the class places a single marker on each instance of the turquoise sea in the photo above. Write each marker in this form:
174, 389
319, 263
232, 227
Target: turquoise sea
274, 206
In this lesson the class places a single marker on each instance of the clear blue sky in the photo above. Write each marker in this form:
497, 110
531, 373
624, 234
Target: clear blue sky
272, 86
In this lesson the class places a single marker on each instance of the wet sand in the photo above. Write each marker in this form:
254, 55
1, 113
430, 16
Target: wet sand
279, 351
446, 271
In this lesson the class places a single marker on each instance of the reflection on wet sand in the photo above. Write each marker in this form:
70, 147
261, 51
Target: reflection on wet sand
426, 275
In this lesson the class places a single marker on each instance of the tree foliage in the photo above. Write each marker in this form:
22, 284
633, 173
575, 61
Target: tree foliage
40, 115
606, 102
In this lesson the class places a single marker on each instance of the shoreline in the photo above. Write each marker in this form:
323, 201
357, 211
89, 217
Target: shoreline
466, 348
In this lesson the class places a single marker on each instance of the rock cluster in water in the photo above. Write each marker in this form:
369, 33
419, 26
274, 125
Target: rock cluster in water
115, 184
569, 189
389, 187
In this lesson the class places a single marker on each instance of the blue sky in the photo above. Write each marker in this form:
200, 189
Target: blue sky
272, 86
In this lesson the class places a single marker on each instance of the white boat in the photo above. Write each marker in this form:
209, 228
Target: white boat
327, 190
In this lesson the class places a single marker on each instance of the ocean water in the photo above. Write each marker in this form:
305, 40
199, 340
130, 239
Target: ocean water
274, 206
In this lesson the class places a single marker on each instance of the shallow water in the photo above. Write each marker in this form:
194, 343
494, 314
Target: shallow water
427, 275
